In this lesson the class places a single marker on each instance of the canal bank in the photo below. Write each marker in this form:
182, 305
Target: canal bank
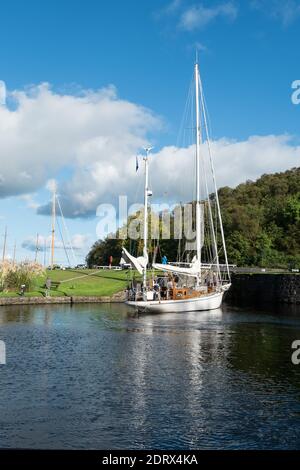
118, 297
246, 289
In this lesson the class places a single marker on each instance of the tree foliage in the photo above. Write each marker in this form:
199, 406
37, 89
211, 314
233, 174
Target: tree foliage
261, 223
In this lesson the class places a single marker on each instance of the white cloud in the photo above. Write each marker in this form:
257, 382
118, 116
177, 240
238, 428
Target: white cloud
200, 47
235, 162
286, 12
169, 10
2, 93
172, 7
200, 16
96, 137
172, 172
78, 242
30, 243
48, 132
29, 200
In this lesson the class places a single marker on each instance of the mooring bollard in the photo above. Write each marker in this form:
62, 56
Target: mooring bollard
48, 287
22, 290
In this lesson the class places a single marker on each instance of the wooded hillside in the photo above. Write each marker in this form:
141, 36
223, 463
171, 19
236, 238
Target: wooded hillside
261, 223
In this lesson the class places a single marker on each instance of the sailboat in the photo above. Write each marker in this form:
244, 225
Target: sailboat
184, 287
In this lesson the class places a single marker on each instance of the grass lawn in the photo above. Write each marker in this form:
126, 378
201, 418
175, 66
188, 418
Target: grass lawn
76, 282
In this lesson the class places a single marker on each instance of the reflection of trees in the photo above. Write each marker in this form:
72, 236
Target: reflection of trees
17, 313
29, 314
263, 350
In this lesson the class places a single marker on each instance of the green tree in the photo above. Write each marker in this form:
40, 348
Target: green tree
261, 223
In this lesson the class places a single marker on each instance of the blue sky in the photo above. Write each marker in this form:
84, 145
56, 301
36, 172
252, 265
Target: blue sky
145, 50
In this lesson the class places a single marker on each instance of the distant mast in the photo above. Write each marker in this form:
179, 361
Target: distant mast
53, 225
45, 251
36, 248
4, 245
14, 255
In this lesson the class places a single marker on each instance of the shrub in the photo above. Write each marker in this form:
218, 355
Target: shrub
13, 275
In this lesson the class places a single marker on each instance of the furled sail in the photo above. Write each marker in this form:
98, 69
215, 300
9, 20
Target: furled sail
193, 270
138, 263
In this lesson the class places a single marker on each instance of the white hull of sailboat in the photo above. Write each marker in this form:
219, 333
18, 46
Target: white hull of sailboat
205, 302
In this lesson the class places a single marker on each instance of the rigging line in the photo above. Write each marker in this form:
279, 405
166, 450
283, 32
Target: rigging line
66, 229
207, 114
63, 242
211, 218
212, 261
182, 136
138, 188
181, 125
208, 240
154, 253
48, 249
184, 115
80, 277
217, 222
214, 179
180, 235
212, 250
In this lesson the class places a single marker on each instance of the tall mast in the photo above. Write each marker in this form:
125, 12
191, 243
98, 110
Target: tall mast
53, 226
36, 248
198, 139
4, 245
146, 194
14, 255
45, 251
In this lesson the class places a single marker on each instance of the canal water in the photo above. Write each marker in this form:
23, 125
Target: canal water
99, 377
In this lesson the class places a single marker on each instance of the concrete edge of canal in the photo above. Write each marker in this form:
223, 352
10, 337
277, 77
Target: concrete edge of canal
119, 297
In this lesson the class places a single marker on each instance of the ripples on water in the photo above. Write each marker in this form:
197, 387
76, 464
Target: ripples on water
98, 376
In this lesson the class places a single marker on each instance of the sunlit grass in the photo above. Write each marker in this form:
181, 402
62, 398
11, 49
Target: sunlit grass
86, 282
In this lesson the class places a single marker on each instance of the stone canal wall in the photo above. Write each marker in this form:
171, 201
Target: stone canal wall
119, 297
264, 288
